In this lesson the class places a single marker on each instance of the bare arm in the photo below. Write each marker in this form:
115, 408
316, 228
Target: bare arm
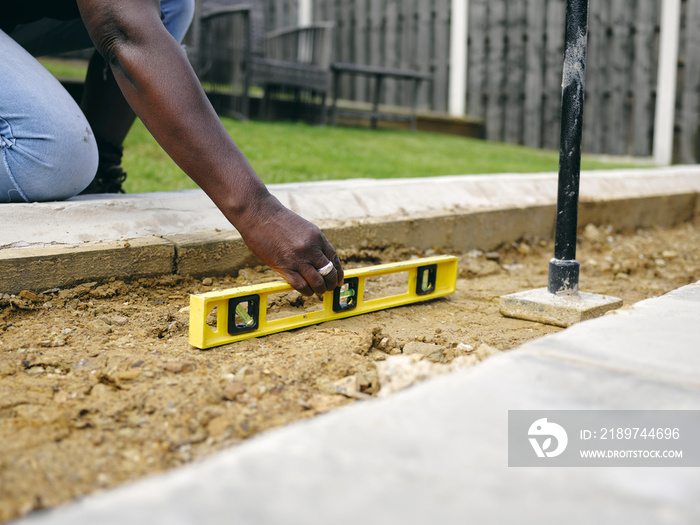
158, 82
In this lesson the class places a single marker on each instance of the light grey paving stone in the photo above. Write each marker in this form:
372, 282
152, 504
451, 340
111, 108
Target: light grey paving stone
657, 338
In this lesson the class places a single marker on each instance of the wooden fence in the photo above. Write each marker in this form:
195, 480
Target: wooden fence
515, 55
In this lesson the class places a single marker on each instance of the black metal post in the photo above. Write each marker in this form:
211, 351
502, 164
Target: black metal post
564, 268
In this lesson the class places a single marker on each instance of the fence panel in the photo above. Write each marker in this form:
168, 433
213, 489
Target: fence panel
597, 86
689, 85
619, 77
644, 76
477, 58
534, 73
441, 58
495, 69
424, 49
515, 71
554, 64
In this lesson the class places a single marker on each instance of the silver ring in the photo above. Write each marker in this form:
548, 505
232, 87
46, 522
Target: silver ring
326, 269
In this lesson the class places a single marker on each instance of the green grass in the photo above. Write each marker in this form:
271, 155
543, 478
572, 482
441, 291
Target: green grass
65, 69
293, 152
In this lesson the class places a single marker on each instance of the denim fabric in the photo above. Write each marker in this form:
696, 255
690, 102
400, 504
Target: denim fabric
47, 149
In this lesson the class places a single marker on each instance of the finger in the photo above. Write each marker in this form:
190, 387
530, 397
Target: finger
314, 279
298, 283
338, 275
329, 274
339, 270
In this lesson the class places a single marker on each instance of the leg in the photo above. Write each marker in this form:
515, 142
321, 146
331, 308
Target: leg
111, 118
47, 149
415, 83
336, 88
377, 97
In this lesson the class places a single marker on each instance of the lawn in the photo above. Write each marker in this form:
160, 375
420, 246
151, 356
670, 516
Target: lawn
292, 152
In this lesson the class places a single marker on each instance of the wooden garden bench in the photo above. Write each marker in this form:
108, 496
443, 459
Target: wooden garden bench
296, 62
379, 74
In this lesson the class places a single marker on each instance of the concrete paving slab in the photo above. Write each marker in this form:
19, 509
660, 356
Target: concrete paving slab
542, 306
664, 354
437, 452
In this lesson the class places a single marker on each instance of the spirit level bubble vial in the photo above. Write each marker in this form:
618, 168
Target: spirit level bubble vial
241, 313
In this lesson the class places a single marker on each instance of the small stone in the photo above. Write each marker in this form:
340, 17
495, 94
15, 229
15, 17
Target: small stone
218, 426
524, 248
660, 262
593, 234
207, 281
348, 386
233, 390
465, 348
101, 390
492, 256
82, 289
128, 375
120, 320
228, 377
177, 367
100, 326
669, 254
430, 351
184, 310
401, 371
240, 375
29, 296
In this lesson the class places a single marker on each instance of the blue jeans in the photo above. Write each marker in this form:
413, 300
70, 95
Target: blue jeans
47, 149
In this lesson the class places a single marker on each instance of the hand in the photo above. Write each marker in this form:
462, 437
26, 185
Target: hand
292, 246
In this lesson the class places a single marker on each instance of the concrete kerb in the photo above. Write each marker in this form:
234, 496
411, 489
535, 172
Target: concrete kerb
58, 244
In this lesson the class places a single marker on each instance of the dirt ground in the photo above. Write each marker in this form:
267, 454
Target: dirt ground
99, 386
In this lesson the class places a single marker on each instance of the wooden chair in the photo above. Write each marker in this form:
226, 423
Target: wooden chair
221, 53
295, 68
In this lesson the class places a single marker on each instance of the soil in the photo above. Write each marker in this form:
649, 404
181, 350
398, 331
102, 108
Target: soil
99, 386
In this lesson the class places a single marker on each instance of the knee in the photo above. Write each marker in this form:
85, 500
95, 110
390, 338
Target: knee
177, 16
56, 165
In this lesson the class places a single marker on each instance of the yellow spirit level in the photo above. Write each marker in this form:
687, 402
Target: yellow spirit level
241, 313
